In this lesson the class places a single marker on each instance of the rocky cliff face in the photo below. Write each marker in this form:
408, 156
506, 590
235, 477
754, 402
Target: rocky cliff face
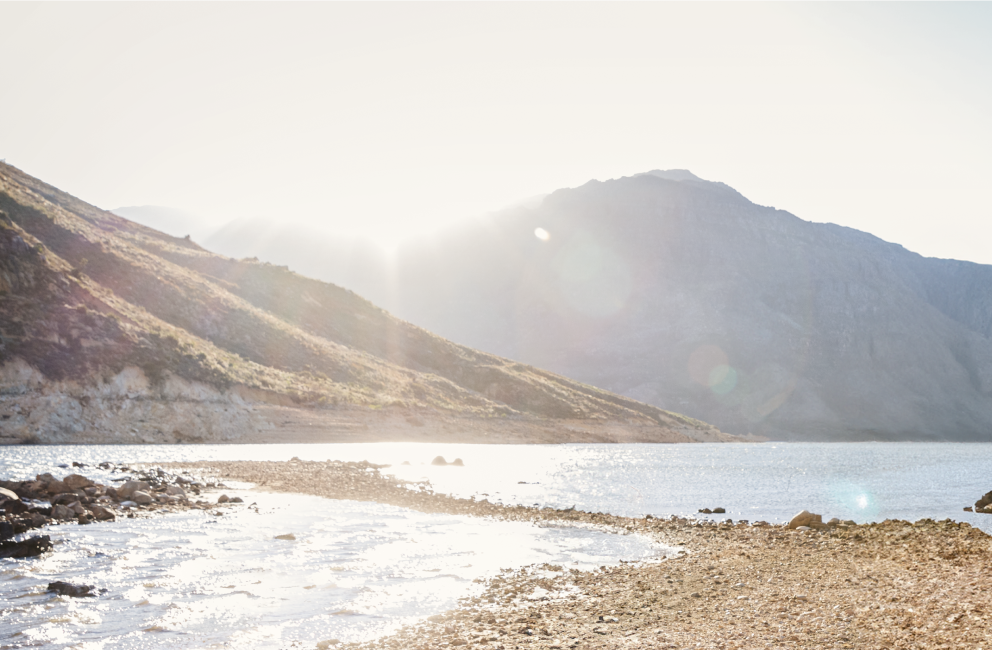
682, 293
111, 331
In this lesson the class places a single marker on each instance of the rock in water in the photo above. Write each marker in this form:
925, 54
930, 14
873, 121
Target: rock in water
289, 537
458, 462
69, 589
983, 502
439, 461
30, 547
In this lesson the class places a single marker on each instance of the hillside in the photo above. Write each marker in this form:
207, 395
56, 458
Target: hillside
682, 293
112, 331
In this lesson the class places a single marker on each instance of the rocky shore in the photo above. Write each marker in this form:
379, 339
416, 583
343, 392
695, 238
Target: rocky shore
47, 500
727, 585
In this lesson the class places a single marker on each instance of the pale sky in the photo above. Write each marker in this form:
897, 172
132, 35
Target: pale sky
383, 120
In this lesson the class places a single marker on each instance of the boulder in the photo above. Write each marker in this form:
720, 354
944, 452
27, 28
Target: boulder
45, 478
57, 487
69, 589
102, 514
127, 490
77, 508
30, 547
77, 482
176, 491
984, 501
141, 498
719, 511
223, 498
6, 530
805, 518
15, 507
458, 462
439, 460
62, 513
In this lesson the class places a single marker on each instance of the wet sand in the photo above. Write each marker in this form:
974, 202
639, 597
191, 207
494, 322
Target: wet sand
888, 585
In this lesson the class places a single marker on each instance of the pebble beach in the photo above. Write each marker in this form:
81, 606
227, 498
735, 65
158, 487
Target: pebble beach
730, 585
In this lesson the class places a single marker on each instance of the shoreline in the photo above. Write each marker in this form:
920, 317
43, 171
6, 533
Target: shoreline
737, 586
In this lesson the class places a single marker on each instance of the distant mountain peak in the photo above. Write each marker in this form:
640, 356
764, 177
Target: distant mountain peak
672, 175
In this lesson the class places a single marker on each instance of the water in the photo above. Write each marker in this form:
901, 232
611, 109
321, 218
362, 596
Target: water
358, 570
354, 571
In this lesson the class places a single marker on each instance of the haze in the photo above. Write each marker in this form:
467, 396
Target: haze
383, 121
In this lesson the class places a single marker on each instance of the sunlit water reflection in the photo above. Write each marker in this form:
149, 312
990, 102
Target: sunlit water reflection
359, 569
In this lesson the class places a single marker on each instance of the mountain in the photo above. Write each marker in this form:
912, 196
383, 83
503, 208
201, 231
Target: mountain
111, 331
681, 293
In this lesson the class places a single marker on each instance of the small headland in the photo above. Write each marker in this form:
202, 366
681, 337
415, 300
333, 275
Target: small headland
736, 585
76, 499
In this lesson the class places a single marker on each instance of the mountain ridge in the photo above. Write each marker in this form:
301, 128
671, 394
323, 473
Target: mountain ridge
114, 331
827, 332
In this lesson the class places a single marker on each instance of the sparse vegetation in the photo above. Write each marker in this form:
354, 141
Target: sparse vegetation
153, 301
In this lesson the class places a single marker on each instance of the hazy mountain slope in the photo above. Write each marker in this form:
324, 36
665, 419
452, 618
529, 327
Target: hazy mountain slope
95, 307
682, 293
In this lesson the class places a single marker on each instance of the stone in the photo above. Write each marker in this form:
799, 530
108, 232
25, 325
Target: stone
458, 462
45, 478
223, 498
57, 487
127, 490
62, 513
717, 511
63, 499
30, 547
77, 508
71, 590
439, 460
102, 514
289, 537
176, 491
77, 482
142, 498
706, 511
804, 518
15, 507
6, 530
984, 501
237, 500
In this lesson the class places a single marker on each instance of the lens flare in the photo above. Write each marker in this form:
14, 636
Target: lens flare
542, 234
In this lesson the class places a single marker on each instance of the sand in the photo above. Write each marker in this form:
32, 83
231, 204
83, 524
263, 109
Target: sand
735, 585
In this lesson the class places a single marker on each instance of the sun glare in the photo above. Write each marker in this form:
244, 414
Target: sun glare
542, 234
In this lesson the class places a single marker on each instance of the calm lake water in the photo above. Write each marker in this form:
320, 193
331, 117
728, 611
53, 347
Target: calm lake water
358, 570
